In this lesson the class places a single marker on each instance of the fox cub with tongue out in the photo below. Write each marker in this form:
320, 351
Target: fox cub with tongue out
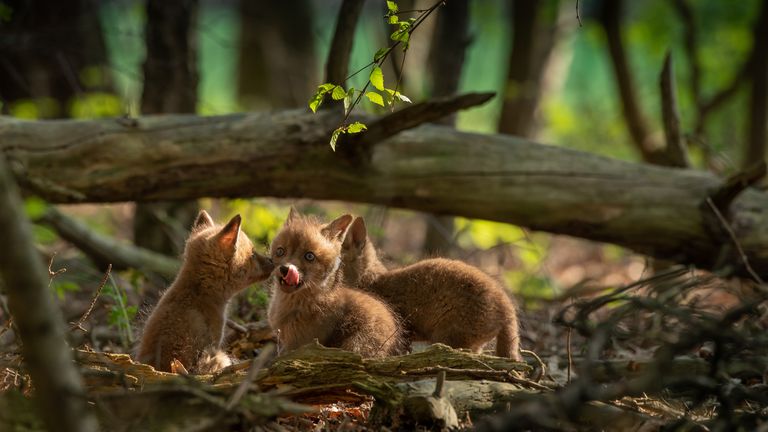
309, 300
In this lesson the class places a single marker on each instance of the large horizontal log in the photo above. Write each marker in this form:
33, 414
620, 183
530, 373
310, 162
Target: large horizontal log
653, 210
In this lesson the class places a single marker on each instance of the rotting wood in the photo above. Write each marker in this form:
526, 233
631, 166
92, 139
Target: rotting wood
653, 210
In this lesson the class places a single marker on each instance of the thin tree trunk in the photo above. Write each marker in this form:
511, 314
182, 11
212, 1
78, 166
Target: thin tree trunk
446, 61
758, 102
337, 64
170, 86
610, 17
533, 38
45, 47
277, 58
58, 386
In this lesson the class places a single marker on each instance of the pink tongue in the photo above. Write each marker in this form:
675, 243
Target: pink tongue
292, 278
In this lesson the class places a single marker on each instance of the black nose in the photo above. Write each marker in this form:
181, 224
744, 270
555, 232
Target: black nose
284, 270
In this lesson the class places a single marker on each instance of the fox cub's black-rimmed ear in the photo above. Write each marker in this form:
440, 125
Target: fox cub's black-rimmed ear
227, 237
203, 220
336, 229
357, 235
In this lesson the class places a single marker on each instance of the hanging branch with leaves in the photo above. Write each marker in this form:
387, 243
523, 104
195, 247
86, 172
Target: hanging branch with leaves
381, 95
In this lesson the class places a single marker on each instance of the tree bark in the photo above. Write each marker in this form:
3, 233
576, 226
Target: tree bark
610, 17
170, 86
58, 386
277, 57
446, 61
758, 97
653, 210
337, 64
532, 43
46, 46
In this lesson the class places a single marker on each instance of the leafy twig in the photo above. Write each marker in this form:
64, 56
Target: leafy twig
401, 36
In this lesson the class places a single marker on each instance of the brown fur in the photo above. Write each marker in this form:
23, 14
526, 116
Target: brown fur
439, 300
188, 322
321, 307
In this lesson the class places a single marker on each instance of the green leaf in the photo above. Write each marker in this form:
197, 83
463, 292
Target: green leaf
315, 102
395, 94
393, 19
375, 98
380, 53
348, 99
392, 6
325, 88
317, 98
335, 136
356, 127
402, 35
377, 78
338, 93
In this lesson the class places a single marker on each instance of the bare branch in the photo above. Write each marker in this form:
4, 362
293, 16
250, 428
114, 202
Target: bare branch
420, 113
105, 251
79, 324
58, 386
675, 153
683, 9
610, 18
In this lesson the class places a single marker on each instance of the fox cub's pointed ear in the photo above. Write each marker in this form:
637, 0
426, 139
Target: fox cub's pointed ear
227, 237
203, 220
293, 215
336, 229
356, 236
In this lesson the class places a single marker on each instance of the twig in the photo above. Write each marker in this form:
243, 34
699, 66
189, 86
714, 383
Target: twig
417, 114
674, 153
439, 383
236, 327
570, 356
737, 245
479, 373
79, 324
7, 326
541, 363
52, 274
380, 60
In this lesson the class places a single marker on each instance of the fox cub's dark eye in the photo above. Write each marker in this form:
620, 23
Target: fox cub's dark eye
309, 256
280, 252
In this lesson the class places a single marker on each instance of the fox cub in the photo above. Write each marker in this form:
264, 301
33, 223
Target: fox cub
188, 322
310, 302
439, 300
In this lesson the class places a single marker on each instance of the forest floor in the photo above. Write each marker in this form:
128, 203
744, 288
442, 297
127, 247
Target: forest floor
585, 268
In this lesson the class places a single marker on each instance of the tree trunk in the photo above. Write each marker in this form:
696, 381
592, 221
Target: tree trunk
534, 36
758, 97
47, 47
58, 386
653, 210
277, 59
170, 86
610, 17
446, 61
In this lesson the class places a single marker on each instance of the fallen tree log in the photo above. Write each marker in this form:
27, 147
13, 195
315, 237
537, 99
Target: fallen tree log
653, 210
